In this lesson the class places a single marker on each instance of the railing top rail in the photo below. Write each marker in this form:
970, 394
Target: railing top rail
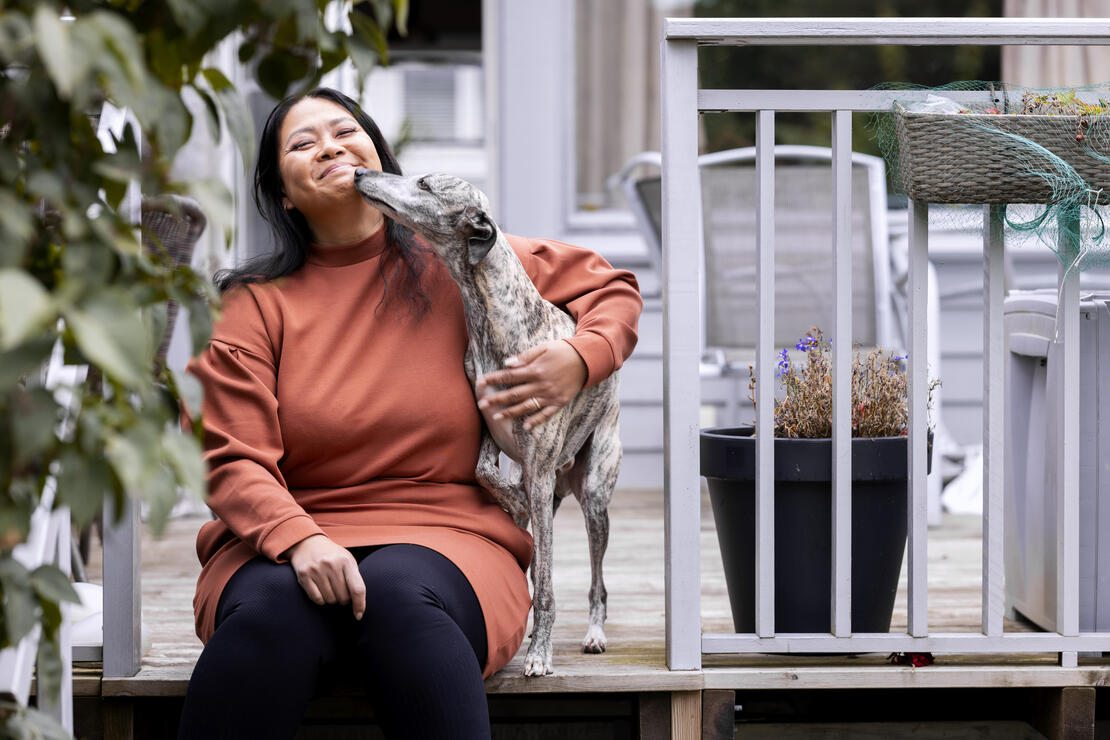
875, 31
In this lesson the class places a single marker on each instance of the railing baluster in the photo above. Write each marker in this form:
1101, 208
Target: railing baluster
917, 511
842, 375
681, 352
1067, 461
994, 402
765, 375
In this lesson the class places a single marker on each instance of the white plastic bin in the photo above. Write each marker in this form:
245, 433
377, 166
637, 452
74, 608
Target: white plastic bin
1031, 442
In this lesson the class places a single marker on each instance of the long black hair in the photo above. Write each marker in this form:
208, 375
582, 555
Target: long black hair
403, 258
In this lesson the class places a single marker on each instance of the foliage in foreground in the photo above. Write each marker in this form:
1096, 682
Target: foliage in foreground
74, 279
805, 410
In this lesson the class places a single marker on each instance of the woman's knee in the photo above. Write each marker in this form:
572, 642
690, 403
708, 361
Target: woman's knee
264, 603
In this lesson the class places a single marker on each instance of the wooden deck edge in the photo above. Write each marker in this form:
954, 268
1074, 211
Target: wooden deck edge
174, 681
899, 677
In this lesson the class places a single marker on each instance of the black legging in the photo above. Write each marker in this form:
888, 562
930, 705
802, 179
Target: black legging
419, 647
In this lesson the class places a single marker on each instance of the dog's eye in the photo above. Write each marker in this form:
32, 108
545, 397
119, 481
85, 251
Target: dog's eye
422, 183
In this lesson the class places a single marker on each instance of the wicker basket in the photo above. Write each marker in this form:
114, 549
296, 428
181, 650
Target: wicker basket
950, 158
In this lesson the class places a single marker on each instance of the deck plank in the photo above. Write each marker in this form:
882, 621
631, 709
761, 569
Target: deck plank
635, 660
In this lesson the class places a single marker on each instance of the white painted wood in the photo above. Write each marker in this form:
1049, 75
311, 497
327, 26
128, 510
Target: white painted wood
842, 375
122, 591
765, 375
917, 391
681, 351
939, 675
882, 31
61, 707
17, 662
943, 642
716, 101
994, 397
1067, 476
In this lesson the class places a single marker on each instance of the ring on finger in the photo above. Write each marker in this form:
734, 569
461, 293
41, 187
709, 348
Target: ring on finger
535, 404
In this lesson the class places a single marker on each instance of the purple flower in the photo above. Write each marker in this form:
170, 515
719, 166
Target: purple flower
784, 363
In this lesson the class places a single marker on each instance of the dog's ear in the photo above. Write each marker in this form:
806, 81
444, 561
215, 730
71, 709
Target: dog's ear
482, 237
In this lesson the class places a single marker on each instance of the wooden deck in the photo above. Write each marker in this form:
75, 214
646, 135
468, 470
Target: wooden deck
635, 660
634, 664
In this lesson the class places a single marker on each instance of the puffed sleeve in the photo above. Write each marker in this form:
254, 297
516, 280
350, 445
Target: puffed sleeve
604, 301
242, 434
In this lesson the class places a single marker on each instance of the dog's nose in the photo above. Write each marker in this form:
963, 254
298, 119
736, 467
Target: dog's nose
360, 172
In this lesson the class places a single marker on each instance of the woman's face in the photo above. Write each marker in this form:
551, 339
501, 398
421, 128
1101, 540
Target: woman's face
319, 147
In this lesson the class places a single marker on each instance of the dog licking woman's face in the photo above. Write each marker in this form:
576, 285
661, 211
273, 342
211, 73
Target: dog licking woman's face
320, 145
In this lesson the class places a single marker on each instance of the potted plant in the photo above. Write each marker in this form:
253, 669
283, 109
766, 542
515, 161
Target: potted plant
803, 492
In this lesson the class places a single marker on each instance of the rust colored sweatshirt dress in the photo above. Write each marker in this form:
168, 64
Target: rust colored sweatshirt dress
325, 414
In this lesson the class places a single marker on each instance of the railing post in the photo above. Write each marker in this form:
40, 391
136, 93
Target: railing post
765, 375
1067, 461
994, 397
842, 375
917, 391
681, 353
122, 591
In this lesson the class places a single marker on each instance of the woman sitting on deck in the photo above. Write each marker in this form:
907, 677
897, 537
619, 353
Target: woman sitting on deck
342, 436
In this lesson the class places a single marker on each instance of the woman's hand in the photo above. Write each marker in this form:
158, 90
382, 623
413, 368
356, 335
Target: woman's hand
328, 573
540, 381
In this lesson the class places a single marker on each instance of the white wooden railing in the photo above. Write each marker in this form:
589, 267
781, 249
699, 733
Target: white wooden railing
683, 101
47, 542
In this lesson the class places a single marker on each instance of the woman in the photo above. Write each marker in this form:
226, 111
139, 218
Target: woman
341, 438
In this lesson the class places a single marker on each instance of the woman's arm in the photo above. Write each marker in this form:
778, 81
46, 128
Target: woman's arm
605, 304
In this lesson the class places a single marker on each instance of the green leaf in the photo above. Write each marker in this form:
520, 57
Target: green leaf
189, 389
372, 33
34, 417
120, 39
383, 12
217, 204
363, 56
51, 583
58, 53
19, 601
25, 307
28, 723
16, 228
83, 482
23, 360
187, 458
401, 15
278, 70
190, 15
48, 666
107, 328
236, 114
211, 113
200, 323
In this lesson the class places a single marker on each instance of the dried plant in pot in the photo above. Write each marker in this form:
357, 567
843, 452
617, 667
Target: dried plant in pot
803, 492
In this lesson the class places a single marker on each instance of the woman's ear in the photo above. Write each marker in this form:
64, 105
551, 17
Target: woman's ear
286, 203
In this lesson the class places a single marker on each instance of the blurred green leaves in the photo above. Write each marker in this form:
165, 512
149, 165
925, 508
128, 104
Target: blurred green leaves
74, 280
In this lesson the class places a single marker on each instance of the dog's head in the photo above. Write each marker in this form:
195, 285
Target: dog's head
450, 214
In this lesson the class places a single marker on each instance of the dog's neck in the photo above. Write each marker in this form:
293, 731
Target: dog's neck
498, 286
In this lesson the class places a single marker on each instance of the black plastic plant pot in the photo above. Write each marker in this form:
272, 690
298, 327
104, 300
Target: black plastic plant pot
803, 526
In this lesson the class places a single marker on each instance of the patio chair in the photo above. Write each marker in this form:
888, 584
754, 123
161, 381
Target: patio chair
803, 258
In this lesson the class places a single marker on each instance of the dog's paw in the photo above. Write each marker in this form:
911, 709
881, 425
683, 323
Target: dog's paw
595, 641
535, 665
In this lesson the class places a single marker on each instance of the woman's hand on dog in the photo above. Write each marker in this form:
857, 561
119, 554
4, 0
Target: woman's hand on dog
328, 573
552, 373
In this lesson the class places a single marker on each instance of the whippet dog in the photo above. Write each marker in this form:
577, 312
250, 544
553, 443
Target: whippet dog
578, 449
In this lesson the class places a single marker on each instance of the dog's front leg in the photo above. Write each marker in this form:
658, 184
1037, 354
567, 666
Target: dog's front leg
541, 489
489, 476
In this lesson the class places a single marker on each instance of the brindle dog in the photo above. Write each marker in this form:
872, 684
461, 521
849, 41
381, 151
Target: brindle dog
575, 451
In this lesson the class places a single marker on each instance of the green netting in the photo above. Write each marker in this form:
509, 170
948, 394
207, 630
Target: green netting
1042, 154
